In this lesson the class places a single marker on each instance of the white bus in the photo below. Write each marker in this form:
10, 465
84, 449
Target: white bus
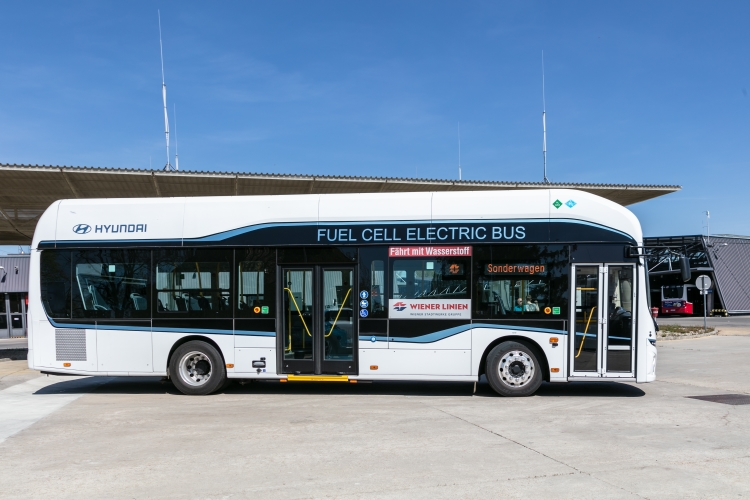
520, 286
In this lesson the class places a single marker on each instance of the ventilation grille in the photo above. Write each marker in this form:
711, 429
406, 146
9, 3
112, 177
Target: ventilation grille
70, 345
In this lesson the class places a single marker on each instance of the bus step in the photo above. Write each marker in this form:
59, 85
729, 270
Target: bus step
318, 378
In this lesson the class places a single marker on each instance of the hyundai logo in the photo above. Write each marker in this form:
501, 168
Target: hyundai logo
81, 228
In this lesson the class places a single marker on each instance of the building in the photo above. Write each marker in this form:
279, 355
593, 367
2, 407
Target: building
723, 258
14, 287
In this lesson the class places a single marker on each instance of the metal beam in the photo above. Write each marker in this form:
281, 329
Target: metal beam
15, 228
70, 184
156, 184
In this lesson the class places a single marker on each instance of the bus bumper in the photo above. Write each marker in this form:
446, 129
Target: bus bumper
651, 360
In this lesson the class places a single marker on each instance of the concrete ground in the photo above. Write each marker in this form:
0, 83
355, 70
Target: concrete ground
14, 343
138, 438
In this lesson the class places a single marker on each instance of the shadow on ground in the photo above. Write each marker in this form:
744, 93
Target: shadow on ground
156, 385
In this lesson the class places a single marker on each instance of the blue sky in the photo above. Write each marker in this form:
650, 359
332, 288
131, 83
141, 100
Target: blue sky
637, 92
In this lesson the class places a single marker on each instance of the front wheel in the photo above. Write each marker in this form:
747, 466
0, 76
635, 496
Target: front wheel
513, 369
196, 368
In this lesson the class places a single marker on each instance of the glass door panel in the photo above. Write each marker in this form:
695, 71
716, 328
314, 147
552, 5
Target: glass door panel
603, 333
621, 297
298, 320
586, 319
338, 327
16, 313
319, 328
4, 333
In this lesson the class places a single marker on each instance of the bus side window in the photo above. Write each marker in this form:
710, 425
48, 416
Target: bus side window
193, 282
520, 282
256, 283
443, 278
111, 283
55, 269
377, 284
372, 280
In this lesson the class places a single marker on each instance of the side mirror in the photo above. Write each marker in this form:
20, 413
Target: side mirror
684, 268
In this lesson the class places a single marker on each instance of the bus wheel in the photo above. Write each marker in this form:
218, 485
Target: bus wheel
513, 369
196, 368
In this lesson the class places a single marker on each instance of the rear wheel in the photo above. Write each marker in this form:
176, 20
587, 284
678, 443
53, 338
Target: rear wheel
196, 368
513, 369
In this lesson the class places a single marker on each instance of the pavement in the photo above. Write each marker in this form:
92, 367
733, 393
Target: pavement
14, 343
78, 437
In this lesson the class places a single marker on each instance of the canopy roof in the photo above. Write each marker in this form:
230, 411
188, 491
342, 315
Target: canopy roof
27, 190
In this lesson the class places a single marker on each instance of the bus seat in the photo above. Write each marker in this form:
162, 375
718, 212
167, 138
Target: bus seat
139, 302
180, 304
204, 304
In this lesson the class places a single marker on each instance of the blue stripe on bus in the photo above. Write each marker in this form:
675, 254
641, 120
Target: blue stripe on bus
252, 333
444, 334
160, 329
422, 339
89, 326
368, 338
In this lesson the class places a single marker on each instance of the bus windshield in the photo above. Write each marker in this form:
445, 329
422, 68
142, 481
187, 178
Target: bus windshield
672, 292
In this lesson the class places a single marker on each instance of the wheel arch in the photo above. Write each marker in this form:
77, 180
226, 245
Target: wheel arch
188, 338
522, 340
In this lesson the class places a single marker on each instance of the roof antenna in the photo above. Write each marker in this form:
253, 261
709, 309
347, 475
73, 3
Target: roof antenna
708, 227
176, 154
544, 126
168, 166
459, 151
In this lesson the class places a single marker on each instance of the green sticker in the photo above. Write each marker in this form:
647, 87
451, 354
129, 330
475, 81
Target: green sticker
264, 310
555, 310
557, 204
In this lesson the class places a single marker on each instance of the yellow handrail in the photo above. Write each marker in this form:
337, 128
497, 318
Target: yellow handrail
585, 331
200, 286
298, 311
343, 302
289, 329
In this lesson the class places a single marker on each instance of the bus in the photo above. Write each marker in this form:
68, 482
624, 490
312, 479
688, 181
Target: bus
674, 300
521, 286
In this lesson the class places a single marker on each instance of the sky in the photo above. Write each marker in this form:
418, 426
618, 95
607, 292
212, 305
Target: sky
636, 92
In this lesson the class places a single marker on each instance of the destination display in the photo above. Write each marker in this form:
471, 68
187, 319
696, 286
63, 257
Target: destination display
430, 251
514, 269
429, 308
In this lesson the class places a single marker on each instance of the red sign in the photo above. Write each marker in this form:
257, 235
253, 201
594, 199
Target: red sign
430, 251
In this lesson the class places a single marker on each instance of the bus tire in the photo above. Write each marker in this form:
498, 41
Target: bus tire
197, 369
513, 369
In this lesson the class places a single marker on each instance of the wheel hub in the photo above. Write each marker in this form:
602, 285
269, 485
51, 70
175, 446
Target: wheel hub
195, 368
516, 368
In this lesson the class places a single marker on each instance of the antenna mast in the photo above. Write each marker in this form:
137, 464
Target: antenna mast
176, 154
459, 151
168, 166
544, 125
708, 227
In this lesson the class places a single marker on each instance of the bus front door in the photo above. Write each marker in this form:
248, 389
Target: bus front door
319, 332
603, 329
